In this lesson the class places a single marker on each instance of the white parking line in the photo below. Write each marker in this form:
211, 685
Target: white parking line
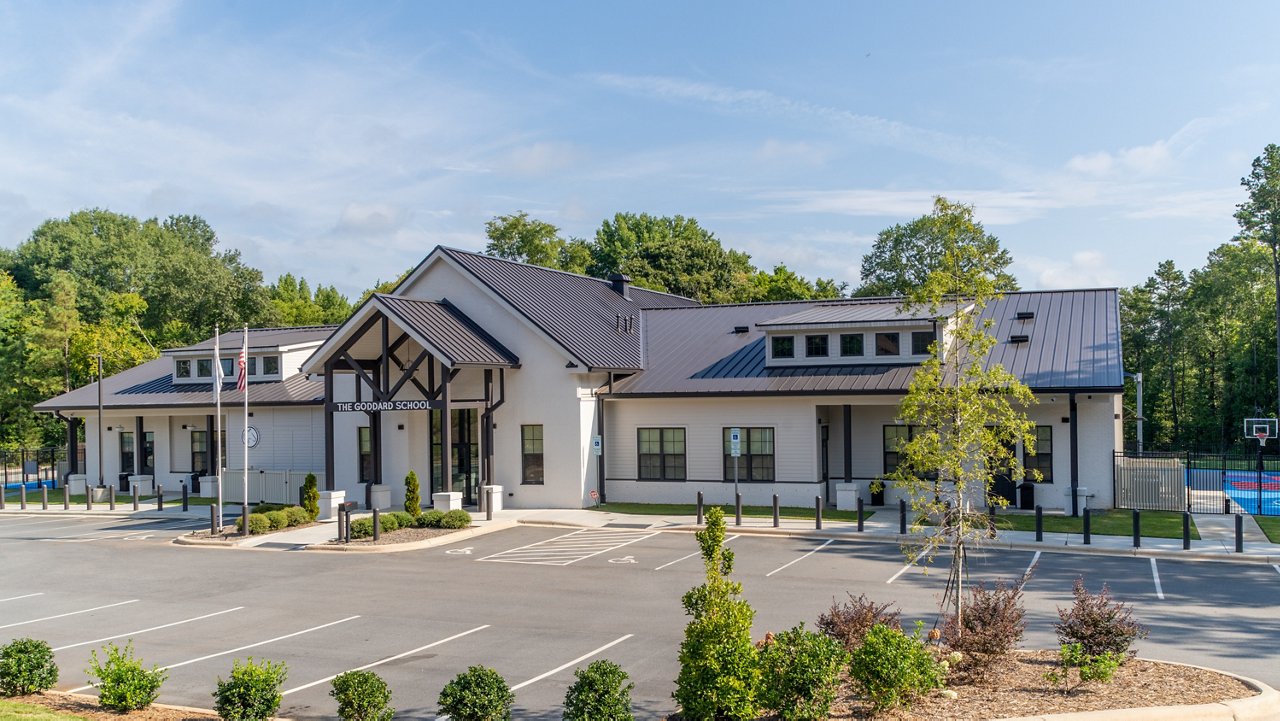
29, 595
574, 662
1031, 567
570, 548
388, 659
146, 630
64, 615
905, 568
810, 553
21, 528
1155, 573
691, 555
241, 648
1276, 566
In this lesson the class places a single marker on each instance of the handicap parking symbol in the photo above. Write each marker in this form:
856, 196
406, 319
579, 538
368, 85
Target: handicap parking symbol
459, 551
624, 559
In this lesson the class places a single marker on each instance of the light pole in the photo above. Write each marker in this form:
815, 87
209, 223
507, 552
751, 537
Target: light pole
100, 480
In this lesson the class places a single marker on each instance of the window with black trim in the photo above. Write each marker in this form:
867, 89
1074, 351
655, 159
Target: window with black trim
1043, 459
228, 367
815, 346
365, 446
887, 344
661, 454
531, 455
204, 367
756, 462
850, 344
253, 366
270, 365
148, 467
126, 453
784, 346
894, 437
182, 369
920, 341
200, 452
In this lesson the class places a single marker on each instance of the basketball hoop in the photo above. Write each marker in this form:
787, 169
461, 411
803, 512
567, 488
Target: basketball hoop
1262, 437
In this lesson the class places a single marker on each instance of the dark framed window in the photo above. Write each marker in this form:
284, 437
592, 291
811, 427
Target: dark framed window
784, 346
365, 449
661, 454
531, 455
270, 365
850, 344
200, 452
894, 437
887, 344
253, 366
920, 340
126, 452
1043, 459
815, 346
228, 367
756, 462
182, 369
204, 367
148, 453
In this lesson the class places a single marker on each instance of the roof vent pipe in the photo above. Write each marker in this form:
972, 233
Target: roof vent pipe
621, 284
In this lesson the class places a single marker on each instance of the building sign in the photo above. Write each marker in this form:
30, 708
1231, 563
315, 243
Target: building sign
381, 406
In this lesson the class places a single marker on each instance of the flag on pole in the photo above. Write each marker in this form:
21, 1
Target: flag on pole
217, 432
242, 383
243, 386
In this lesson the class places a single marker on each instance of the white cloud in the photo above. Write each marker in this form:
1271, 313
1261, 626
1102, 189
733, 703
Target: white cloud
539, 159
1085, 269
991, 207
796, 152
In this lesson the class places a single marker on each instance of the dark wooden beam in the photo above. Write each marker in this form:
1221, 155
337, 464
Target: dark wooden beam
328, 425
446, 431
377, 395
407, 374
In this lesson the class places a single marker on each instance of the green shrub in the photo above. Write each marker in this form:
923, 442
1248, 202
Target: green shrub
802, 672
267, 507
412, 494
278, 520
455, 519
258, 523
311, 496
719, 666
429, 519
892, 668
600, 692
252, 693
362, 528
26, 666
362, 696
388, 522
477, 694
403, 520
849, 622
123, 684
993, 624
298, 516
1101, 667
1098, 624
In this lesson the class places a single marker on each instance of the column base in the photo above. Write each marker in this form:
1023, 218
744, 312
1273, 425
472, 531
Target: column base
330, 501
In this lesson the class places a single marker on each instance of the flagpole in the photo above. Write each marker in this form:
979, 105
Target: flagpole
217, 421
244, 383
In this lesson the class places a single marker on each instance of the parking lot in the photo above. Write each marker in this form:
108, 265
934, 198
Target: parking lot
534, 603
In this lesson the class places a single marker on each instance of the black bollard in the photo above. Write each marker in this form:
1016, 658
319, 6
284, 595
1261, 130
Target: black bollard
1137, 528
4, 488
244, 518
1088, 527
859, 515
1186, 531
346, 529
737, 509
134, 488
902, 516
88, 496
44, 497
377, 525
699, 508
488, 504
777, 518
817, 513
111, 498
159, 497
186, 498
213, 520
22, 494
1239, 533
66, 497
339, 539
1039, 524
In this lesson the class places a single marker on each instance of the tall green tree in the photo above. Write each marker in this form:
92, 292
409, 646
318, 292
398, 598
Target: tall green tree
295, 304
1259, 218
905, 255
673, 254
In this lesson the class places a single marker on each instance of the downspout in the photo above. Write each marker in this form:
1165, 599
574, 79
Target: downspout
600, 485
1075, 458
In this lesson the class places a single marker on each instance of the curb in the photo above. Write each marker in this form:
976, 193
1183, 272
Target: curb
442, 540
158, 515
171, 707
1264, 706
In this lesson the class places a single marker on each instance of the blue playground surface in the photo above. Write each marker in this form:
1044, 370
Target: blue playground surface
31, 485
1241, 487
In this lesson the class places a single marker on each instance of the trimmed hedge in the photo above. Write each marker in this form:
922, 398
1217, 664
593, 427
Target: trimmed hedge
429, 519
405, 520
258, 523
456, 519
362, 528
279, 520
26, 666
298, 516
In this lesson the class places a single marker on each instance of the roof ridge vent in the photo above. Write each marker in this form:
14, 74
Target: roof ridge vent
740, 329
1025, 315
1019, 338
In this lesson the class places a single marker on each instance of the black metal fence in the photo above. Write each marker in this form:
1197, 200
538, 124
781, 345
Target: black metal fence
36, 465
1197, 482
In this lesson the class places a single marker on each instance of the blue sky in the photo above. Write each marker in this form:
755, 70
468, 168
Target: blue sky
342, 141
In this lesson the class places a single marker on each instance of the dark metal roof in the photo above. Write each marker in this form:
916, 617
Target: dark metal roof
583, 314
878, 311
261, 338
151, 385
453, 334
1074, 344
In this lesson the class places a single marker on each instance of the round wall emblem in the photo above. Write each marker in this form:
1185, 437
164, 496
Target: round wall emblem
251, 437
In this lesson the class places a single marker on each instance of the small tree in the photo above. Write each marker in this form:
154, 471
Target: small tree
477, 694
26, 666
966, 415
311, 495
253, 691
362, 696
600, 692
123, 683
412, 494
719, 666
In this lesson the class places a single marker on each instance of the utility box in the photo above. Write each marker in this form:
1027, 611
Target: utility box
847, 496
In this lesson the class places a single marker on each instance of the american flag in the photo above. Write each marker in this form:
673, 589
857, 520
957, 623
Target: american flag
242, 382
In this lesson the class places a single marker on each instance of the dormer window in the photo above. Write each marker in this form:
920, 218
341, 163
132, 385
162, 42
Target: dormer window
784, 346
228, 367
253, 366
271, 365
815, 346
850, 344
920, 341
204, 368
182, 369
887, 344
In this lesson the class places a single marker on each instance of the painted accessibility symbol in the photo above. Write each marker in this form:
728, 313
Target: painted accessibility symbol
624, 559
459, 551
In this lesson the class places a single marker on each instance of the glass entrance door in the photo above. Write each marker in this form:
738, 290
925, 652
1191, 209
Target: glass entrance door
464, 429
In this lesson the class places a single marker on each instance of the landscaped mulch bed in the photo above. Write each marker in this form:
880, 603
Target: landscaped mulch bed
231, 534
404, 535
87, 707
1020, 689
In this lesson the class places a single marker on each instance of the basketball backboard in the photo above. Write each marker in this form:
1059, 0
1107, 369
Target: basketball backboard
1260, 429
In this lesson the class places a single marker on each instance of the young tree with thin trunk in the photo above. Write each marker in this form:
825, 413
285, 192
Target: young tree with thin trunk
967, 417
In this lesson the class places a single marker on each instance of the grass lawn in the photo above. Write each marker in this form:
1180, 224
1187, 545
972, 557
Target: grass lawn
31, 712
1155, 524
690, 509
1270, 525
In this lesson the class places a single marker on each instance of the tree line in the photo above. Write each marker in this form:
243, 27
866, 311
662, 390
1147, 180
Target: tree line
104, 283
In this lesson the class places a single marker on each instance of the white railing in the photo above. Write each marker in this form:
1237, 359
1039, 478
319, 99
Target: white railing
266, 486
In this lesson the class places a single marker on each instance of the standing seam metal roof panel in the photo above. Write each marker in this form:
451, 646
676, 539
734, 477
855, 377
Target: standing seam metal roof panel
450, 331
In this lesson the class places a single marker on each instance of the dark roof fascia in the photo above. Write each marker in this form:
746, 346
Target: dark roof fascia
110, 406
352, 315
618, 395
887, 322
